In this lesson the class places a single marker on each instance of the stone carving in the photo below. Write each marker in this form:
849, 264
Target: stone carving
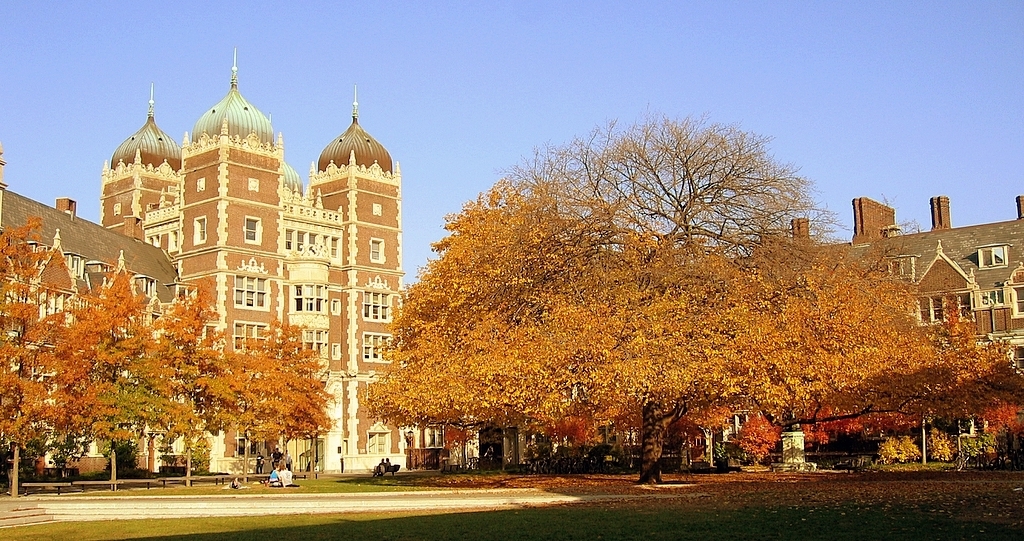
252, 266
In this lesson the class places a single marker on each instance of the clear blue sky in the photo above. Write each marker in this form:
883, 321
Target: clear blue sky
898, 101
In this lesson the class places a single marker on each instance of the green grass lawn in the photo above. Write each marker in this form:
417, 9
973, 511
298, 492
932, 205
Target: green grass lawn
669, 519
324, 485
889, 505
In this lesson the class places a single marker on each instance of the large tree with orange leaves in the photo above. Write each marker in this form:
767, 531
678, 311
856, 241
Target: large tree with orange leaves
601, 276
26, 394
642, 273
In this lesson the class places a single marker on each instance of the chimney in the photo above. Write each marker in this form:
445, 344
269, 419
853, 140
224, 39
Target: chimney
872, 220
132, 227
67, 205
1020, 203
940, 213
800, 228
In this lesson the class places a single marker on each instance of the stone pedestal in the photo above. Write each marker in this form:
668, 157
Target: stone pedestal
793, 454
793, 447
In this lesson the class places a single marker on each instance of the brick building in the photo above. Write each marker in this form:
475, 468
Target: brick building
225, 206
982, 266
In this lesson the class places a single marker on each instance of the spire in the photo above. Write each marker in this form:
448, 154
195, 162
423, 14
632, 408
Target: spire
355, 103
234, 70
151, 88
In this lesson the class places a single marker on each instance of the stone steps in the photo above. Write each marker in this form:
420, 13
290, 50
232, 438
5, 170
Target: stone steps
23, 516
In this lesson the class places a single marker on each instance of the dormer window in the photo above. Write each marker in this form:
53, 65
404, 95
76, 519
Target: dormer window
146, 285
993, 256
76, 265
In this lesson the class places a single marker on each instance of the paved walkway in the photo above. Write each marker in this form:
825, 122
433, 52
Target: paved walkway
55, 508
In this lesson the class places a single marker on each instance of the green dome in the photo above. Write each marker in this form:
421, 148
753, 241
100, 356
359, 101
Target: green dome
243, 118
292, 180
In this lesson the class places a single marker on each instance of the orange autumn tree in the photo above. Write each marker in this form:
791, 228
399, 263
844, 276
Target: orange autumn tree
193, 374
110, 384
26, 394
601, 276
277, 387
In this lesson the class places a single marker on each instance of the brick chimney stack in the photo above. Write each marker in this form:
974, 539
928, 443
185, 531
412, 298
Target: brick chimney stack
940, 213
872, 220
132, 227
1020, 207
67, 205
800, 228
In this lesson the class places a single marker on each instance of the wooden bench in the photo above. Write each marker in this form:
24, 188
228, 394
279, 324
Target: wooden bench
41, 487
111, 485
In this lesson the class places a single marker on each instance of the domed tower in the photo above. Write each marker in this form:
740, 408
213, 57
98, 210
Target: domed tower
356, 178
142, 170
234, 178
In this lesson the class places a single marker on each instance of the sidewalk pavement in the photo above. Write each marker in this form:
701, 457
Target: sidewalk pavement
50, 508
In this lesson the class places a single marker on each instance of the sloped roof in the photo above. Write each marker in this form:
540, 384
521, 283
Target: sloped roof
961, 245
91, 241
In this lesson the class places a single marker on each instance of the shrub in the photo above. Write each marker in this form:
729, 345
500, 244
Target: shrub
941, 447
758, 437
898, 450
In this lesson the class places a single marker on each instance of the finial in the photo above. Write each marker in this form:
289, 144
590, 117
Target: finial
234, 70
939, 247
352, 157
224, 126
280, 140
151, 88
355, 103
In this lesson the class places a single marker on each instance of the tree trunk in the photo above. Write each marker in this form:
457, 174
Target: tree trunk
188, 467
14, 471
113, 467
245, 460
655, 426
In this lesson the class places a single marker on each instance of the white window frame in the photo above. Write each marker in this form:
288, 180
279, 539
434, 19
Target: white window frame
315, 339
377, 251
310, 298
1018, 295
117, 209
201, 184
250, 292
199, 230
249, 331
257, 231
987, 256
336, 351
372, 344
378, 443
376, 306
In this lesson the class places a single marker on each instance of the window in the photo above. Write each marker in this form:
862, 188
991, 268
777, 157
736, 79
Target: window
931, 309
117, 209
375, 306
201, 184
250, 291
300, 240
248, 331
378, 443
433, 437
1018, 357
146, 286
335, 307
252, 230
992, 297
199, 230
373, 344
993, 256
315, 340
1019, 293
310, 298
334, 247
172, 241
240, 447
76, 265
376, 250
289, 234
336, 351
254, 184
